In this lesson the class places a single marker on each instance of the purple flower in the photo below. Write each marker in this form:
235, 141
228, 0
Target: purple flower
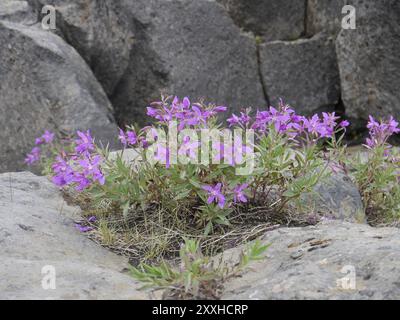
344, 124
163, 156
220, 109
128, 138
239, 195
131, 137
214, 194
122, 137
189, 148
184, 112
84, 143
47, 137
33, 156
83, 228
91, 170
152, 112
186, 103
64, 174
92, 219
380, 132
234, 120
82, 181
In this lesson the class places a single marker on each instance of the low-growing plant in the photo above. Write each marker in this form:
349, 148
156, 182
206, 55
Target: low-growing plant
377, 172
196, 276
193, 177
182, 186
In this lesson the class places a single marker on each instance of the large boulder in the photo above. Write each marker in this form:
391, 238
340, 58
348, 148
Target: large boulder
37, 233
335, 197
45, 84
17, 11
188, 48
333, 260
100, 31
272, 19
303, 72
324, 15
369, 61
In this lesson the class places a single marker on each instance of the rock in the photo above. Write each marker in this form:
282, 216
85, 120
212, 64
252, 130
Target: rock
37, 230
330, 261
45, 84
303, 72
188, 48
336, 197
100, 31
324, 15
273, 19
369, 61
17, 11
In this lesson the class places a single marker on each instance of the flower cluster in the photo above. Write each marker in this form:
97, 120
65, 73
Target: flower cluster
186, 114
380, 132
86, 228
215, 194
34, 156
127, 138
285, 121
80, 169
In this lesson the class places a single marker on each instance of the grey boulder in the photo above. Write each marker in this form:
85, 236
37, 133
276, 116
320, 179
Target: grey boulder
330, 261
272, 20
45, 84
38, 237
187, 48
369, 61
304, 73
324, 15
336, 197
100, 31
17, 11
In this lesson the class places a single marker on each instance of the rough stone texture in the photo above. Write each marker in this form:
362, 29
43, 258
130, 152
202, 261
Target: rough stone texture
45, 84
369, 61
312, 262
324, 15
37, 230
188, 48
272, 19
336, 197
17, 11
100, 32
304, 73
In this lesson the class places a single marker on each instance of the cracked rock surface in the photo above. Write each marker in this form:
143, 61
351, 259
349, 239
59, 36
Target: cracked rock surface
332, 260
37, 230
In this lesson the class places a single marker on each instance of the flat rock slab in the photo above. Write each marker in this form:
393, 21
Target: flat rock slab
37, 230
333, 260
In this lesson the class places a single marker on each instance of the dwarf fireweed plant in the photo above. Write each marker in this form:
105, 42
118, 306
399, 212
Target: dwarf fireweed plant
193, 176
377, 172
189, 176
